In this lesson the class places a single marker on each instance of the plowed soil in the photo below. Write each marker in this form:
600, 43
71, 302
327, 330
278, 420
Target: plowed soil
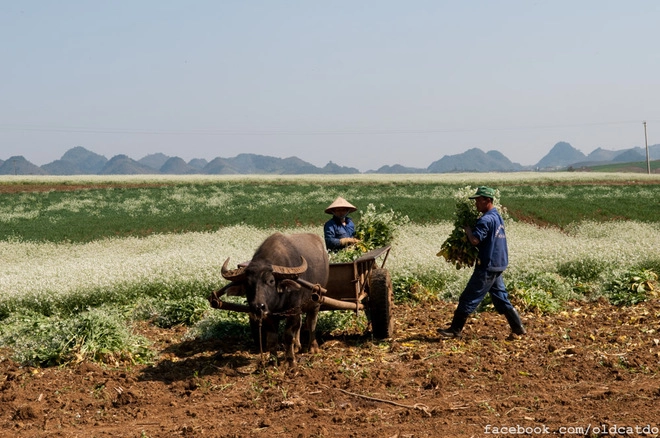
589, 371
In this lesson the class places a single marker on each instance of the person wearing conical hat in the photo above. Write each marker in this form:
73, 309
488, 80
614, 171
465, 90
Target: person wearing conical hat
339, 231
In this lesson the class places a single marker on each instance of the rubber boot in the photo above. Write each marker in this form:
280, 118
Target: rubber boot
514, 321
456, 327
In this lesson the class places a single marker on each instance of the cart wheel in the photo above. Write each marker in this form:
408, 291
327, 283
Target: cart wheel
381, 302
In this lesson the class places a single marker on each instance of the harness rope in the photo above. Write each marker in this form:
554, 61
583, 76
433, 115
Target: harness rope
261, 349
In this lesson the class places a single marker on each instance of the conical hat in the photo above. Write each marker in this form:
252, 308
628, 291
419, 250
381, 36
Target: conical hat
340, 203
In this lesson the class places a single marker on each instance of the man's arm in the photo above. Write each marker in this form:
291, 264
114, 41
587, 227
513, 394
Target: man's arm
474, 240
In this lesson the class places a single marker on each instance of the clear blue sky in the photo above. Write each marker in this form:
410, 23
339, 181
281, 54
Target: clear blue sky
359, 83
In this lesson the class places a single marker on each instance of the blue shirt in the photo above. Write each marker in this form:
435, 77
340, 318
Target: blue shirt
334, 230
493, 251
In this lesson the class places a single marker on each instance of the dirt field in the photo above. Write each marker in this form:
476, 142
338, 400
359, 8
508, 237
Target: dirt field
594, 366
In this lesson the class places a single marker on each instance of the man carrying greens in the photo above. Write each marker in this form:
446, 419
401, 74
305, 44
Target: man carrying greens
489, 237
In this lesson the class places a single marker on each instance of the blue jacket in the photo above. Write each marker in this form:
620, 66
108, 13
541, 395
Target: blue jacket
334, 230
493, 251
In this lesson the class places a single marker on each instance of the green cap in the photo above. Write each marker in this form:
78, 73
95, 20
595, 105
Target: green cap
484, 191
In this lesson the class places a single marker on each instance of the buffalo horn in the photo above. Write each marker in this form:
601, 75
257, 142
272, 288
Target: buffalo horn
232, 274
286, 272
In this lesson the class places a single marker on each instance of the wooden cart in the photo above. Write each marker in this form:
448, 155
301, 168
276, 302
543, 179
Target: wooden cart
360, 285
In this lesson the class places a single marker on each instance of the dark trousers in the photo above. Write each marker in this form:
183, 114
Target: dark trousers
482, 282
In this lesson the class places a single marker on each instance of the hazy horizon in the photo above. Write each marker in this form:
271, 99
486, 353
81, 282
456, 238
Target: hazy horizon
209, 159
362, 84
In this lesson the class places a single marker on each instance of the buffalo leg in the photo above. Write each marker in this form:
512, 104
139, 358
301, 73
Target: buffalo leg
311, 318
292, 338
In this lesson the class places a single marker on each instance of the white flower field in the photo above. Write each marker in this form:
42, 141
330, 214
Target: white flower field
48, 271
64, 278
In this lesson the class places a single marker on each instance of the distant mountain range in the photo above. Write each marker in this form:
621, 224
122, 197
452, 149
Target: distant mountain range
80, 161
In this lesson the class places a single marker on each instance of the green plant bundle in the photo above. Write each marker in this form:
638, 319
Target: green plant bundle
374, 230
378, 229
457, 249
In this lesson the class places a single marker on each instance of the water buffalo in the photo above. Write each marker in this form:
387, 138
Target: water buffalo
269, 283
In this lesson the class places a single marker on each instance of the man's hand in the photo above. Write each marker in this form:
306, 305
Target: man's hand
348, 241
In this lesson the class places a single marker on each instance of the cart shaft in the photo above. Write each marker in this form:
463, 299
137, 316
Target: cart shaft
336, 304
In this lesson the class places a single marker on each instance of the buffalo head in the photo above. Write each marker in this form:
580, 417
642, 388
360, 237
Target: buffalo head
265, 285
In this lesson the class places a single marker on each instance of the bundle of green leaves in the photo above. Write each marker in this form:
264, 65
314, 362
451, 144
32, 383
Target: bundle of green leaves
457, 249
374, 229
